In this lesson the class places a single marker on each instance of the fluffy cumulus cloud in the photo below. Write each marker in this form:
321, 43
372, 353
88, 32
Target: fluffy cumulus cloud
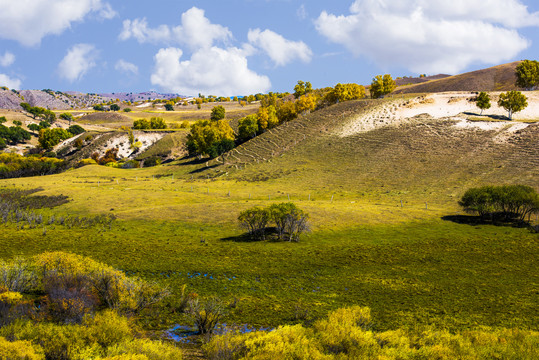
10, 82
280, 50
7, 59
210, 71
28, 21
195, 31
126, 67
430, 36
77, 62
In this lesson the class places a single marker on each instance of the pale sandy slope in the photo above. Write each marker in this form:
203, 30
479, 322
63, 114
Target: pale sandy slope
454, 105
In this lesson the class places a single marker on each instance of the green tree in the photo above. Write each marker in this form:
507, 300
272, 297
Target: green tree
382, 85
528, 74
217, 113
482, 101
48, 138
99, 107
247, 127
76, 129
115, 107
35, 111
513, 101
169, 107
141, 124
67, 116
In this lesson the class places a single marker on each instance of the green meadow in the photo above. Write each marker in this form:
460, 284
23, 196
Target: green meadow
178, 226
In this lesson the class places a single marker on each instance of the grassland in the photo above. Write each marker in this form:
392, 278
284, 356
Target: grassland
377, 203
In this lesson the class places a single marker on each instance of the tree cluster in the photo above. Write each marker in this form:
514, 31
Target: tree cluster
12, 135
382, 85
155, 123
36, 111
290, 221
508, 202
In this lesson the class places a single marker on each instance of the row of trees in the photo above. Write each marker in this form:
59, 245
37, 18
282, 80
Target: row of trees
289, 220
512, 101
509, 202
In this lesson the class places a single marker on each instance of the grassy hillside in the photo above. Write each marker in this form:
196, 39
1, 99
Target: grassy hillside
497, 78
383, 213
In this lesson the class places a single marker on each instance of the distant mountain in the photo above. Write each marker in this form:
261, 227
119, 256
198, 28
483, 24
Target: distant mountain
497, 78
149, 95
58, 100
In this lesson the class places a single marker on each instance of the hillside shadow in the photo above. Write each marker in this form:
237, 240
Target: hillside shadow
270, 235
197, 171
493, 117
478, 220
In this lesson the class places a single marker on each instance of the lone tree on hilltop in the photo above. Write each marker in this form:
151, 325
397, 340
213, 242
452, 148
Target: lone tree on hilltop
302, 88
513, 101
382, 85
483, 101
528, 74
217, 113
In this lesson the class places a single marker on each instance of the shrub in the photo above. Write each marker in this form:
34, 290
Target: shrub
152, 161
207, 315
127, 110
217, 113
151, 350
48, 138
157, 123
20, 350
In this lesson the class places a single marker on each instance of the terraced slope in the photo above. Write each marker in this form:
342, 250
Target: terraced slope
421, 155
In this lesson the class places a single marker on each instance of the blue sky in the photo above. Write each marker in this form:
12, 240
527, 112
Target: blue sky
240, 47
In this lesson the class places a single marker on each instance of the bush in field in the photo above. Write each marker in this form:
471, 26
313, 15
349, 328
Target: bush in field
290, 221
206, 315
157, 123
507, 201
255, 220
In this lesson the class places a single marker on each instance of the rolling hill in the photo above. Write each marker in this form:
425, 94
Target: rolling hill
497, 78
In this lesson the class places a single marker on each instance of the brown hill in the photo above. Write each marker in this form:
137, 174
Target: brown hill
497, 78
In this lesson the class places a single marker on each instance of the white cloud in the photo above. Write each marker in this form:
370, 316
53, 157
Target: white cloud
211, 70
429, 36
302, 12
126, 67
7, 59
9, 82
139, 30
77, 62
28, 21
195, 31
279, 49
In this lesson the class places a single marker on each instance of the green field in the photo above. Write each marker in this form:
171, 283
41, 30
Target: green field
383, 209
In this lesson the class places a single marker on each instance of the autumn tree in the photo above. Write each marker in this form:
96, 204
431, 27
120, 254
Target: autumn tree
306, 103
513, 101
267, 118
302, 88
205, 134
345, 92
217, 113
382, 85
483, 101
528, 74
